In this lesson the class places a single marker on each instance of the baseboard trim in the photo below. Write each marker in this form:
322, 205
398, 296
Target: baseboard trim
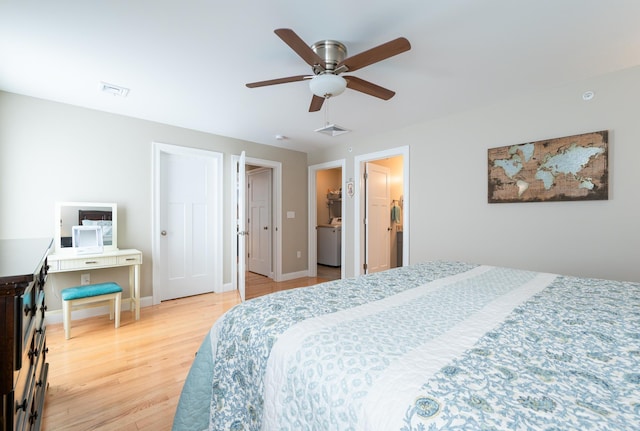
227, 287
293, 275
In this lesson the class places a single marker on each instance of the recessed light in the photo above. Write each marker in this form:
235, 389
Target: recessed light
113, 89
280, 137
588, 95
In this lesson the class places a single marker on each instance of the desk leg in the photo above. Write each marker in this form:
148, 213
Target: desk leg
134, 289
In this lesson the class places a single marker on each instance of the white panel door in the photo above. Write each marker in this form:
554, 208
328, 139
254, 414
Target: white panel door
378, 226
189, 215
259, 221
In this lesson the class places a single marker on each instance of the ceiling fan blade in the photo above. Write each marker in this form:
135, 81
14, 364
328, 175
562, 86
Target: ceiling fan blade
278, 81
368, 88
299, 46
376, 54
316, 103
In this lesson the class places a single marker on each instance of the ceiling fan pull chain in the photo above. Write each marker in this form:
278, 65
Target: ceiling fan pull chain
326, 110
326, 113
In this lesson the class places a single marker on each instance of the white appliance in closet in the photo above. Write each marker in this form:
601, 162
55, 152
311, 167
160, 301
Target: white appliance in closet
330, 243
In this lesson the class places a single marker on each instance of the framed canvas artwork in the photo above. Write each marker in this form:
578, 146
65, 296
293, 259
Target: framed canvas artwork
560, 169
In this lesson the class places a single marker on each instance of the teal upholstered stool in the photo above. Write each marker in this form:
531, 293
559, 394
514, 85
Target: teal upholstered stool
90, 294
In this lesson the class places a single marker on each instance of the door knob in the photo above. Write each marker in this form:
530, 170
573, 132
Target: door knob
265, 228
163, 233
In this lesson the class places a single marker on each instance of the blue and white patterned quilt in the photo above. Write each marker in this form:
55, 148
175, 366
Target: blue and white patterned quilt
435, 346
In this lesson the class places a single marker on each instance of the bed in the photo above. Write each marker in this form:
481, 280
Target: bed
432, 346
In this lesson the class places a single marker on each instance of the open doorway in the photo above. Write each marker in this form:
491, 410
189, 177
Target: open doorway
326, 251
329, 223
274, 232
382, 211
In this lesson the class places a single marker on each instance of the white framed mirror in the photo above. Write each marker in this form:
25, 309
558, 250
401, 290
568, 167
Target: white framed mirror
70, 214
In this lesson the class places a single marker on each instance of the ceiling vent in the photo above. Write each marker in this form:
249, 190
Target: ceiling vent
332, 130
114, 90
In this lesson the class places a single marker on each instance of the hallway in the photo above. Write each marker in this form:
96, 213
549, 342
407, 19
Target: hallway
329, 272
258, 285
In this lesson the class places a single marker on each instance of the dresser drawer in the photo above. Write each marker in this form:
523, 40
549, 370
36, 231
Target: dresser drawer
39, 383
31, 383
38, 402
23, 341
88, 262
26, 313
24, 391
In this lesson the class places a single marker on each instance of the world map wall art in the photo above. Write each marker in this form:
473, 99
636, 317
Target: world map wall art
561, 169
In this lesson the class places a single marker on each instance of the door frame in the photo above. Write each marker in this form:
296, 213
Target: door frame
276, 217
215, 183
239, 226
358, 168
313, 218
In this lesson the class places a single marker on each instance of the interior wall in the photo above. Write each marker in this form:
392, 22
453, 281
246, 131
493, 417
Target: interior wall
451, 218
55, 152
327, 179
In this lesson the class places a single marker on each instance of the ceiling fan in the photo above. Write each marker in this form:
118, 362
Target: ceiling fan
328, 59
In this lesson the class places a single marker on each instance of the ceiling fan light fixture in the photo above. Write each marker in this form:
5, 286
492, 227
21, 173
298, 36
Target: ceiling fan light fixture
327, 85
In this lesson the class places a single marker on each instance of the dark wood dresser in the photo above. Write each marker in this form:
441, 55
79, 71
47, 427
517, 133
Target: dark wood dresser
23, 346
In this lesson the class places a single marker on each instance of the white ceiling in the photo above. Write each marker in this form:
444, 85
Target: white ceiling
186, 62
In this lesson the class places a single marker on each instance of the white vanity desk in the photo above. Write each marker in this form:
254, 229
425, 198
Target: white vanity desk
67, 262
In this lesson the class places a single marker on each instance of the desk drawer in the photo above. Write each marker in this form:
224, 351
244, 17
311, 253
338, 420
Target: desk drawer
130, 259
88, 262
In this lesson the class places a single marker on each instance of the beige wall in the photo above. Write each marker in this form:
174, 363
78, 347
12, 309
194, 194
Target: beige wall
449, 214
55, 152
326, 179
45, 148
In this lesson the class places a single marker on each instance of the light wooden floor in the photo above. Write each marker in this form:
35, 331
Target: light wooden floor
328, 272
131, 378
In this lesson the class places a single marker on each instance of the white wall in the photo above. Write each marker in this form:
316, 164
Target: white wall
55, 152
451, 218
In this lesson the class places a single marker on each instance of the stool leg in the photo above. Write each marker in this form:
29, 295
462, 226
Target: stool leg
111, 307
66, 318
117, 311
